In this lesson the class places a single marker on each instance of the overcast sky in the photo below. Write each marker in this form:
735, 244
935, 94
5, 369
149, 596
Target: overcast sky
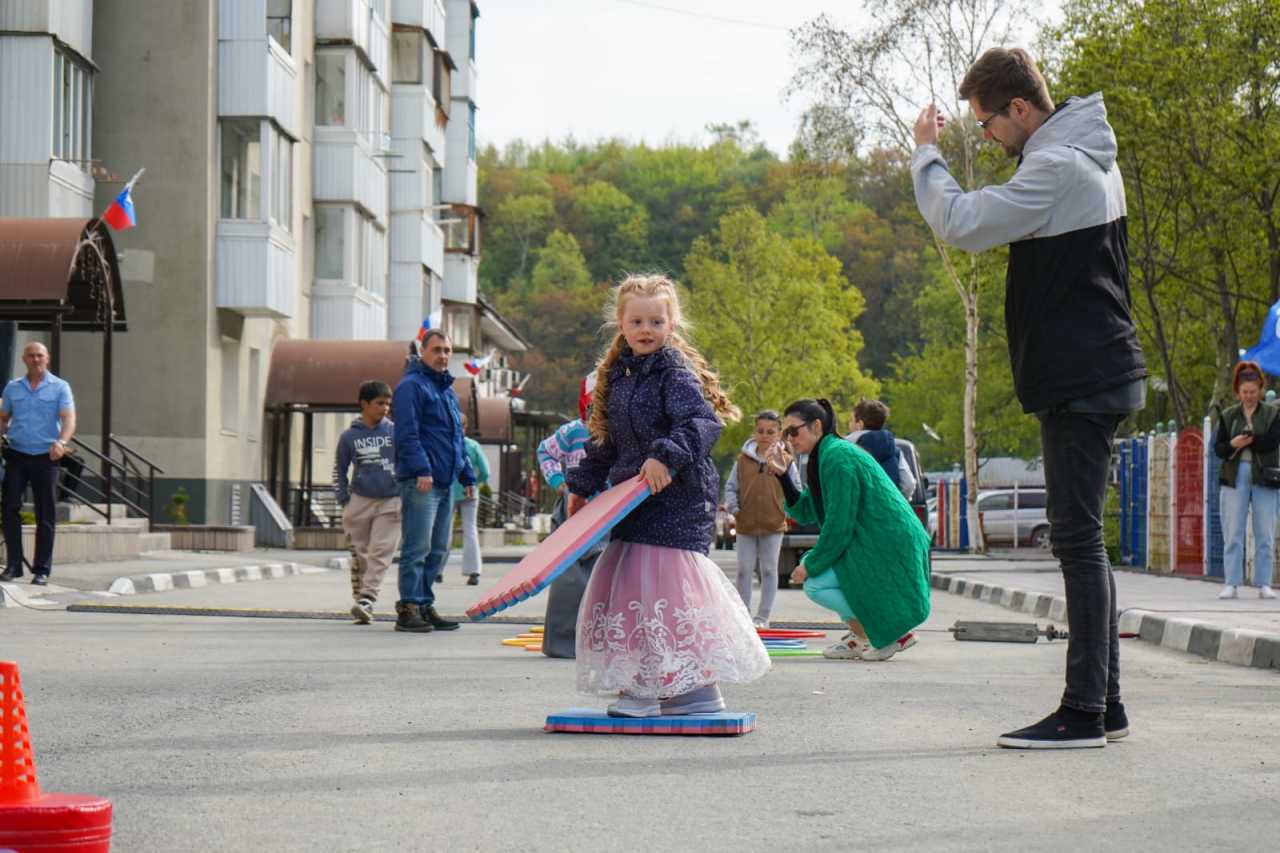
652, 70
640, 69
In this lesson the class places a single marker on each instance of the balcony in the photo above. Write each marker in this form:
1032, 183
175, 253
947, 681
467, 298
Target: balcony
425, 14
460, 277
71, 21
255, 270
345, 312
347, 22
257, 78
413, 116
346, 171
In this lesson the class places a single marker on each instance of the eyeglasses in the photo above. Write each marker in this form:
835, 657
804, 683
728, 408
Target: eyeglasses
792, 431
986, 122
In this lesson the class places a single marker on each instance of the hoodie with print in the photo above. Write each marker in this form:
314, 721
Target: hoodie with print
372, 451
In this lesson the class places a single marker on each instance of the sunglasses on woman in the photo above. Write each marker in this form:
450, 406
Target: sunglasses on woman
792, 431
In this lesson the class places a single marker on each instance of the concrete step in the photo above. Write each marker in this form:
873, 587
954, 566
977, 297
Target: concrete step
154, 542
76, 512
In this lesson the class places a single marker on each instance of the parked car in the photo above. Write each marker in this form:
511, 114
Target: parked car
801, 538
1007, 515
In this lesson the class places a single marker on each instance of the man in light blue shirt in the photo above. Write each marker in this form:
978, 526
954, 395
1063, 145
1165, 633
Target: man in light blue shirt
38, 418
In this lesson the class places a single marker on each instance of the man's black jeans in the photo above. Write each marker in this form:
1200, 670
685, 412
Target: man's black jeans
1077, 460
42, 473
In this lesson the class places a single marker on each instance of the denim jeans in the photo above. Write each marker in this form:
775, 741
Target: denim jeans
1233, 507
426, 522
1077, 460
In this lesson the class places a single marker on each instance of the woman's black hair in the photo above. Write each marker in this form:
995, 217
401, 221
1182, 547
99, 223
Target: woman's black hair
815, 410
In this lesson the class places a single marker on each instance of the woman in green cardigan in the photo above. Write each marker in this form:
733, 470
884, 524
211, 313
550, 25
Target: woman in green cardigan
871, 561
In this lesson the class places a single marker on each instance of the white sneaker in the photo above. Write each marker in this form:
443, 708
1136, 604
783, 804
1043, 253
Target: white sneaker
1266, 592
849, 648
886, 652
1228, 591
760, 622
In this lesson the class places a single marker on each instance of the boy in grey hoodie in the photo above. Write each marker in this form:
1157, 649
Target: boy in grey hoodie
371, 502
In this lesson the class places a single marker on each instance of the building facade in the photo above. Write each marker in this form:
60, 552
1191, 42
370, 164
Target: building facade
310, 174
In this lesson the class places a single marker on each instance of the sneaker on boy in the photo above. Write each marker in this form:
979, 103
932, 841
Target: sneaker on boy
1115, 723
1065, 728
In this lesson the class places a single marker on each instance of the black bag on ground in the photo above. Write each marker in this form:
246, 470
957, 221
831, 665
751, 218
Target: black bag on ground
565, 595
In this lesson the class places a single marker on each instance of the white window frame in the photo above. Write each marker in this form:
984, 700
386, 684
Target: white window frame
288, 26
323, 57
71, 126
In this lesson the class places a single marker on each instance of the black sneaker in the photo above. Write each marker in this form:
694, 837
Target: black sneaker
473, 580
1057, 731
1115, 722
40, 580
430, 615
11, 574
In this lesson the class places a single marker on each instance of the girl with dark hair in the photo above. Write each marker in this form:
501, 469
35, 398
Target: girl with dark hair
871, 561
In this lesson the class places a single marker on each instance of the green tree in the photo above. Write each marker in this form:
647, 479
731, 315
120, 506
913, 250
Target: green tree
775, 317
560, 266
612, 229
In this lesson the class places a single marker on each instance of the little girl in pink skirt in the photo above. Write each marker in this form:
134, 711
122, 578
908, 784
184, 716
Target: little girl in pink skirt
660, 623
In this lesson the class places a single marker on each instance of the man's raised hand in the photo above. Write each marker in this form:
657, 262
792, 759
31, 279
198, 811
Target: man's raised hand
928, 125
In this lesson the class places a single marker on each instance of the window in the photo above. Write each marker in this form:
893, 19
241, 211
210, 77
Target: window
230, 392
471, 130
255, 407
1031, 500
282, 182
471, 47
241, 169
994, 503
379, 8
437, 193
457, 325
406, 57
329, 242
440, 86
331, 88
72, 131
280, 23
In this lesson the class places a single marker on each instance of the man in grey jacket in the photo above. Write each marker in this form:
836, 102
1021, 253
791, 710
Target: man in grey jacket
1077, 363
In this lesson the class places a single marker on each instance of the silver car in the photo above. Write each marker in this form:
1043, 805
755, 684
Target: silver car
1006, 515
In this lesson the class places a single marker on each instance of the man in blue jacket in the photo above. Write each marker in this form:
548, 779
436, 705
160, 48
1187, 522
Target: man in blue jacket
430, 457
1077, 364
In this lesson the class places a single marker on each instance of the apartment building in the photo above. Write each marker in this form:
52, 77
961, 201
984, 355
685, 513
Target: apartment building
310, 174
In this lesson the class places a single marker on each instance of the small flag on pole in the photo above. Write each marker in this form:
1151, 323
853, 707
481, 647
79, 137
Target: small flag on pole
120, 215
432, 321
477, 363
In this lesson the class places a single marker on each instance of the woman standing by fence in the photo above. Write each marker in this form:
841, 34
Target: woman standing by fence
1248, 443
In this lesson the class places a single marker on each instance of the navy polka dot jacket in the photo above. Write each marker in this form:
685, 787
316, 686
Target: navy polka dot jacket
656, 409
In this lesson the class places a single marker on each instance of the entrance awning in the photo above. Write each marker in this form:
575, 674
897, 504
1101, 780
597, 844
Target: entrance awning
325, 376
59, 274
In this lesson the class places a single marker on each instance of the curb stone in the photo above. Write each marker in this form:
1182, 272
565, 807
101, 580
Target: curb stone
165, 581
1238, 646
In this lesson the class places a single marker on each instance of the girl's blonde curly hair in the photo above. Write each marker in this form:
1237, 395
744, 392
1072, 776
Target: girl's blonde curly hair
660, 287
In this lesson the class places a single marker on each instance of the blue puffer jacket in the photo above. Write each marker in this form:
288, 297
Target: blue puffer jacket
429, 428
656, 409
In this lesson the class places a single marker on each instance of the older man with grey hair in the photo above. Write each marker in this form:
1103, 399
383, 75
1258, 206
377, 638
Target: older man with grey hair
38, 418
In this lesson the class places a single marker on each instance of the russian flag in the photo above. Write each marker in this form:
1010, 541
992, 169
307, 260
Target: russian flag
120, 214
475, 364
432, 321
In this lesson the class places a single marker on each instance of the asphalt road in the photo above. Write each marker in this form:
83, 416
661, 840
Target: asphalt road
278, 734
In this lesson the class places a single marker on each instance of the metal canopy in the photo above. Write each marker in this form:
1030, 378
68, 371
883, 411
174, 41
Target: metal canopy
60, 275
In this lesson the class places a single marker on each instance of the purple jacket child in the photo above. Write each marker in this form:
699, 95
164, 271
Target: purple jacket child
656, 409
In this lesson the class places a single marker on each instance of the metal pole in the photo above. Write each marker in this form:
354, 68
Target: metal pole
55, 343
1016, 507
106, 383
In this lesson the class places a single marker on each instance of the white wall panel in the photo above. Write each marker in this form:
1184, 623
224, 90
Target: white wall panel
344, 171
255, 270
256, 78
26, 91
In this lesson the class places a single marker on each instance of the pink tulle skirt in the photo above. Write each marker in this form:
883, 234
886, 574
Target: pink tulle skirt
658, 622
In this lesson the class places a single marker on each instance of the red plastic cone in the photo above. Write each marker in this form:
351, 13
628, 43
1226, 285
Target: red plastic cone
30, 820
18, 782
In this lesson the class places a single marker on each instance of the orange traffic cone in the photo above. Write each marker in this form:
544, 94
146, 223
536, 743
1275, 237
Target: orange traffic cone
29, 820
